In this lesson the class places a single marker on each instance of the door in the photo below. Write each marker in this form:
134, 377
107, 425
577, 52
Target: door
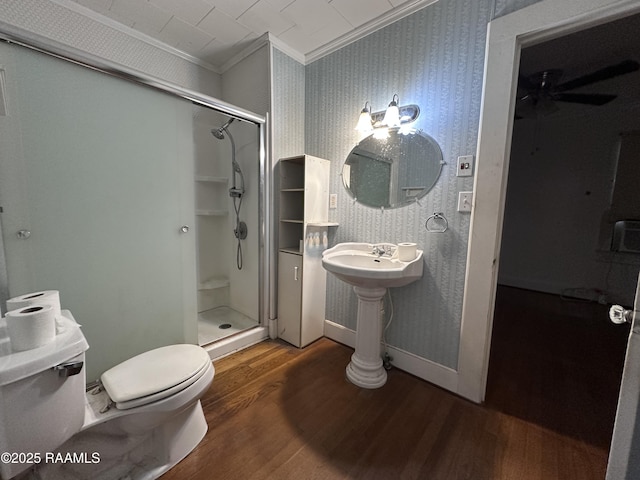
624, 457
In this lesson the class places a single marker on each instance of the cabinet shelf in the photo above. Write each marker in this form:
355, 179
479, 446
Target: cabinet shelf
292, 189
291, 220
294, 250
323, 224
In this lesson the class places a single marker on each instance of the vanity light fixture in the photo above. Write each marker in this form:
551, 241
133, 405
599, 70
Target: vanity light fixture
393, 116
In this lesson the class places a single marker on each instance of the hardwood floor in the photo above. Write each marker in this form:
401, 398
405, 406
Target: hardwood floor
277, 412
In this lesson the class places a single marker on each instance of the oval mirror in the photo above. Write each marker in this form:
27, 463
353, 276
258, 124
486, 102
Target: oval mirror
394, 171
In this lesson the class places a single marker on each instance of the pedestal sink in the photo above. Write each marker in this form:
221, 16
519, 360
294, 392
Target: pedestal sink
371, 269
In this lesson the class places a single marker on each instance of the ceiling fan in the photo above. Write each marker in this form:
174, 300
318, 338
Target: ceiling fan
538, 93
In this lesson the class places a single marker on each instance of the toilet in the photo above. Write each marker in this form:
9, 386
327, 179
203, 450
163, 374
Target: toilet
142, 418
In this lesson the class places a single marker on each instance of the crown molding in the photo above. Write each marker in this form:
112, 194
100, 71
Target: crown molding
286, 49
268, 38
367, 28
265, 39
108, 22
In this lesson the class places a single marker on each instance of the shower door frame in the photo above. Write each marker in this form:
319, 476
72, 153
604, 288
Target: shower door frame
11, 34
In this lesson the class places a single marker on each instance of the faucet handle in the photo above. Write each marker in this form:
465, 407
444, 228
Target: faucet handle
384, 249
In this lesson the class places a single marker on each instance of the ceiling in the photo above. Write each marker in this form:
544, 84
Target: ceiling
214, 31
587, 51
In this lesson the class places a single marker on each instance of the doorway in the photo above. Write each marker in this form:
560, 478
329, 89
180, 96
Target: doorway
552, 342
507, 35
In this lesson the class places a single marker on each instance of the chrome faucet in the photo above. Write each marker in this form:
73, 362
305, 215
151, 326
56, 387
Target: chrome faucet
379, 250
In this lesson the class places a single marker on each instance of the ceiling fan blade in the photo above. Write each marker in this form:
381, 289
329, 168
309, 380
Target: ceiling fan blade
611, 71
586, 98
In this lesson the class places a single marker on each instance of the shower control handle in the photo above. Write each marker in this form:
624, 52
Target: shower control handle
184, 229
619, 314
23, 234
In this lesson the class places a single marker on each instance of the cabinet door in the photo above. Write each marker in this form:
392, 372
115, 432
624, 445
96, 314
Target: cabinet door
289, 297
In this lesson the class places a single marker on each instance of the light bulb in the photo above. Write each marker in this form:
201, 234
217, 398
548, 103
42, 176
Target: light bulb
364, 121
392, 115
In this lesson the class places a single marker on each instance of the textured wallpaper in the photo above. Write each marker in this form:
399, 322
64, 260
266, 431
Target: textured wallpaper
433, 58
288, 105
504, 7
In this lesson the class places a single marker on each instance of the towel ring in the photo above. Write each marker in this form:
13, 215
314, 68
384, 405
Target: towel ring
436, 223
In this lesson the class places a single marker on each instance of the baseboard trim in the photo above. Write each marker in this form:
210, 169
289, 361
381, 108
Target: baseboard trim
432, 372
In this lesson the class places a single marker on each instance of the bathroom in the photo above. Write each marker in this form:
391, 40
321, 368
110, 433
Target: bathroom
433, 58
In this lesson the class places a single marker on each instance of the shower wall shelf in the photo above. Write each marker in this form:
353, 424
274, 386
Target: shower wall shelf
208, 178
303, 204
214, 283
212, 213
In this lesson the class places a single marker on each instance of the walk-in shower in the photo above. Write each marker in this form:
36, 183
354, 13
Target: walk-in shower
228, 224
236, 192
165, 234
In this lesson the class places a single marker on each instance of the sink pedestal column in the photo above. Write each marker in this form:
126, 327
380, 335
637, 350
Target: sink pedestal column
365, 369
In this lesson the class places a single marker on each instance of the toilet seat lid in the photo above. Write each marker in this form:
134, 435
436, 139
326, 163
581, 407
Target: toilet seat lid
154, 371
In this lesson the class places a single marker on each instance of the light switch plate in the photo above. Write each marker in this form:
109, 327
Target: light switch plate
333, 201
464, 201
465, 166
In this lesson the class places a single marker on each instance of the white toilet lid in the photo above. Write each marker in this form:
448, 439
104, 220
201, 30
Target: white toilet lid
154, 371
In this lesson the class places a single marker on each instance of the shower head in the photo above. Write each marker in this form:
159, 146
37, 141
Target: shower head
219, 132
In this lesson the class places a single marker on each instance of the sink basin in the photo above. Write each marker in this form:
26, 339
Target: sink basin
354, 263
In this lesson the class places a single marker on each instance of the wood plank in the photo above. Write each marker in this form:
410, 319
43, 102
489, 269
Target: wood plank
278, 412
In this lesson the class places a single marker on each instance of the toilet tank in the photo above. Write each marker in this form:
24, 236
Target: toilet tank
42, 396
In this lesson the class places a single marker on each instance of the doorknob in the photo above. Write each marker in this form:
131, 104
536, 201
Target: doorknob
619, 314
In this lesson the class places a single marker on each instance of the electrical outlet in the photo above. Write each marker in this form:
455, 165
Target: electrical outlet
464, 201
465, 166
333, 201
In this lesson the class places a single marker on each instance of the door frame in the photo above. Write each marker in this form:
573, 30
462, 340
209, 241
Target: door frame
506, 36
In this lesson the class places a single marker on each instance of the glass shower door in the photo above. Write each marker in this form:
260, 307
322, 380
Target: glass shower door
96, 183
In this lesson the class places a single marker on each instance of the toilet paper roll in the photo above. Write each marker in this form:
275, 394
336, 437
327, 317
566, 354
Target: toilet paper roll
44, 297
31, 327
407, 251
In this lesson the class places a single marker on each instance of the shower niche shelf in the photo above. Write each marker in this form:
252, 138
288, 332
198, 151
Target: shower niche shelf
303, 207
211, 196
